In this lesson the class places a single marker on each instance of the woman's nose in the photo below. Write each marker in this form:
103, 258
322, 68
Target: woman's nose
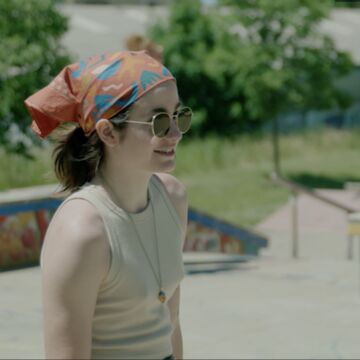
174, 131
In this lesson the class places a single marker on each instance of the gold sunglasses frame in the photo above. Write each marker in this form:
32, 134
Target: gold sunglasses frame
174, 117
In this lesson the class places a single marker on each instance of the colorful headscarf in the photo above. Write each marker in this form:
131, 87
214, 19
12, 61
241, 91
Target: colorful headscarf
96, 88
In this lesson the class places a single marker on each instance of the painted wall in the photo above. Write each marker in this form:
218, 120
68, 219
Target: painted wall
22, 230
23, 226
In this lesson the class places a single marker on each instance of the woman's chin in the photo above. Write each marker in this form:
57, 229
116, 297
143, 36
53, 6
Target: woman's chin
167, 167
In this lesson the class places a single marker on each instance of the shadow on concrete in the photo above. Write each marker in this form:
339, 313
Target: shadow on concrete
318, 181
215, 268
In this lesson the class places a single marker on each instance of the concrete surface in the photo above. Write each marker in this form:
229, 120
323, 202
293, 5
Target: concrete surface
322, 228
273, 307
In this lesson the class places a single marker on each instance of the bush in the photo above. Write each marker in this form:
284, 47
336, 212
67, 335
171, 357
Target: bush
30, 56
242, 63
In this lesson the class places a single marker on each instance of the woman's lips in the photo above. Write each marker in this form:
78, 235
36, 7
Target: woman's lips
169, 154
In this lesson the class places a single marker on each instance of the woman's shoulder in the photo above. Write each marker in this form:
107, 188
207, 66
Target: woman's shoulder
173, 186
78, 219
80, 207
177, 195
75, 252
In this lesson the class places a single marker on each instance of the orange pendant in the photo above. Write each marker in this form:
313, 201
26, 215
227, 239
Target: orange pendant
162, 296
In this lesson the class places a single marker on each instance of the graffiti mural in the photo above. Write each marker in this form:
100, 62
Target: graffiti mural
23, 226
22, 230
207, 233
21, 236
201, 238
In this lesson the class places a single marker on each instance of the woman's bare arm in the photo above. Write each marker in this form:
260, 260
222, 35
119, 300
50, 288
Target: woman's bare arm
176, 336
74, 260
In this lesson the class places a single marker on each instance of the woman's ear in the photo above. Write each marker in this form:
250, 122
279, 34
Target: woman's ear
107, 133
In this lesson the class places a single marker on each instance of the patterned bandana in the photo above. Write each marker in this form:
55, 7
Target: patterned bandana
96, 88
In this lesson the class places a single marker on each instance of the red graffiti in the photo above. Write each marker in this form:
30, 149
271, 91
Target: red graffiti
28, 239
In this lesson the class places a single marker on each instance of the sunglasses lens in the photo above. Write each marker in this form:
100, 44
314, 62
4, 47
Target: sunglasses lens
162, 122
161, 125
184, 120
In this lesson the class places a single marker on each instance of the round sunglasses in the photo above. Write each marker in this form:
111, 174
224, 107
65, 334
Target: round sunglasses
161, 122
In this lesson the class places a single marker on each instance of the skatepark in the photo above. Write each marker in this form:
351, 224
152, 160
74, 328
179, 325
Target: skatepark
264, 306
271, 306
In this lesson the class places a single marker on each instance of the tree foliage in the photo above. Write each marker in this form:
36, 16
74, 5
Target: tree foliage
30, 56
242, 63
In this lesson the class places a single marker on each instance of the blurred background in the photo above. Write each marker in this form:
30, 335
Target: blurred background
273, 155
274, 86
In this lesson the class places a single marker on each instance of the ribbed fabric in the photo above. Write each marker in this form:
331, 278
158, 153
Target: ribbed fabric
129, 320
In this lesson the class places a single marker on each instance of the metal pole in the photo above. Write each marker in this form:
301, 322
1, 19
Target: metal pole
359, 260
275, 141
294, 222
350, 247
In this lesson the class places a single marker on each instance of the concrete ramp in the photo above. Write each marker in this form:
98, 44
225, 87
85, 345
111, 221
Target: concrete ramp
26, 213
322, 228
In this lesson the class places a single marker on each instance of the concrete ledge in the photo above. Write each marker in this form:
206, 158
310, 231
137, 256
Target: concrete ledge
200, 258
33, 193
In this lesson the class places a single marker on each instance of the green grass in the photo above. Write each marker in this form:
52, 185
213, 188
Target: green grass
230, 179
17, 171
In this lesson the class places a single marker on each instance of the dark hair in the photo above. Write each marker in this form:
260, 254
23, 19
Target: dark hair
77, 156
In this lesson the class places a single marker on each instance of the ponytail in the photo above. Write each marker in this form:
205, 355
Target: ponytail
76, 158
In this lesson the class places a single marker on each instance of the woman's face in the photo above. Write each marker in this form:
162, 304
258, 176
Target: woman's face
140, 148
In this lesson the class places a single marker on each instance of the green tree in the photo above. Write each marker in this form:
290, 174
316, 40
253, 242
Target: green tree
242, 63
193, 45
295, 65
30, 56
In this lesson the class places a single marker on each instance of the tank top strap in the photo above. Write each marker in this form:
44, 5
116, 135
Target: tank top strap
159, 187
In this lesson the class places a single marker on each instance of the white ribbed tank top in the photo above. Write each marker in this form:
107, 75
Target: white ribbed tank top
129, 320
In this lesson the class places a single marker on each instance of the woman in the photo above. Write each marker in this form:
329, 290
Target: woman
111, 259
137, 42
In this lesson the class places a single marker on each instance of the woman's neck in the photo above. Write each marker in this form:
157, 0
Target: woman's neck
128, 189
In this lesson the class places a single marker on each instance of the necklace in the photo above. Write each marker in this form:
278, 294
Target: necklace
161, 294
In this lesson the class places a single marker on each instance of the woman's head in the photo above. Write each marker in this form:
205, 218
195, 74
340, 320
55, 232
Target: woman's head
99, 87
99, 94
138, 149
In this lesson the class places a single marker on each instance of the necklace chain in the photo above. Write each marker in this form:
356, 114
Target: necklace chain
161, 294
158, 278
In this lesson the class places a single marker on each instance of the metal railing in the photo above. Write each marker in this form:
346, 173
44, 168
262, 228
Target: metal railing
297, 189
